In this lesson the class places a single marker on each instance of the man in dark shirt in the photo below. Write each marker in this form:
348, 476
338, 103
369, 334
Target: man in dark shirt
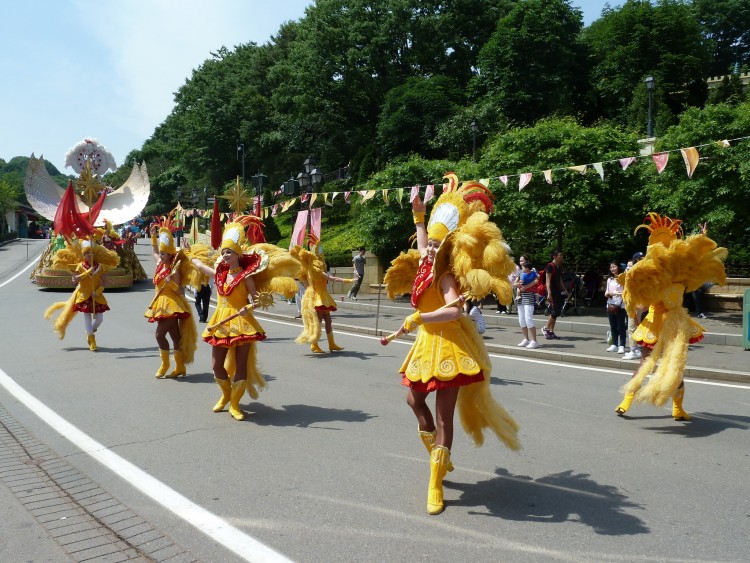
555, 293
359, 272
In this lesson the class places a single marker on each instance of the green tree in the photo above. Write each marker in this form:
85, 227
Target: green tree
726, 24
8, 200
637, 39
589, 218
533, 65
412, 113
719, 191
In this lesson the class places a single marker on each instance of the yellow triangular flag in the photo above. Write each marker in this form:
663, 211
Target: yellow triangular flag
548, 176
368, 195
485, 182
325, 198
691, 157
581, 169
313, 198
385, 196
400, 195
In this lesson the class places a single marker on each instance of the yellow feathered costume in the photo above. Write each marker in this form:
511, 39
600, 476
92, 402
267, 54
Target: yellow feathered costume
90, 285
276, 277
671, 267
316, 296
479, 259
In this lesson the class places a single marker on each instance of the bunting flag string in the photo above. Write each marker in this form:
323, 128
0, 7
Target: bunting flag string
690, 155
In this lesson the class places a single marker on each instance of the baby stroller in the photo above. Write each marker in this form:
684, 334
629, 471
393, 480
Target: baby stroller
572, 285
592, 283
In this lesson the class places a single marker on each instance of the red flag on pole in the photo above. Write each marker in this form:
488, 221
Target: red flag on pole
216, 226
69, 222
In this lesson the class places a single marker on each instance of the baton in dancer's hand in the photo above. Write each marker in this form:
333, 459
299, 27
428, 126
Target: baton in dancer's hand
169, 278
456, 302
230, 318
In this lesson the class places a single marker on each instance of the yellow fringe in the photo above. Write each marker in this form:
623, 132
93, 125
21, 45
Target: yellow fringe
67, 314
311, 327
477, 409
255, 381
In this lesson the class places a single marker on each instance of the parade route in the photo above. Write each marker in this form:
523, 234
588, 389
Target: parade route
328, 467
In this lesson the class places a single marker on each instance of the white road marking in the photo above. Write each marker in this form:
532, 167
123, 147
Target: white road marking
214, 527
31, 263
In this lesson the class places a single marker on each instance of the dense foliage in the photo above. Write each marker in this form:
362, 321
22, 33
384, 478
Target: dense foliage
398, 92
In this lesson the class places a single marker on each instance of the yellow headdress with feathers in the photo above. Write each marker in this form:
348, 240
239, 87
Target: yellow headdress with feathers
233, 237
663, 229
453, 206
165, 239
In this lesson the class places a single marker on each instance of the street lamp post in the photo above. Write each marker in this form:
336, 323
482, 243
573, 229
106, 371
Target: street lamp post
257, 182
474, 128
649, 81
241, 149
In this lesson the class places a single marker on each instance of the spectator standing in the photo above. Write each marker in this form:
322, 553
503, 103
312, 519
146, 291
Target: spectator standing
615, 310
202, 300
555, 292
525, 285
359, 273
475, 313
633, 322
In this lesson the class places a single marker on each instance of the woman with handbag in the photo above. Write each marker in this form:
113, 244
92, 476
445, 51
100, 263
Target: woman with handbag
615, 311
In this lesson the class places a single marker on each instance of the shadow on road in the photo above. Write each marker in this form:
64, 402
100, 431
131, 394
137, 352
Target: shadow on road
704, 425
302, 416
554, 498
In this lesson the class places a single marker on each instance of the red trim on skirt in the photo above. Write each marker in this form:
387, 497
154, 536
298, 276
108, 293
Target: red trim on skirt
85, 307
435, 384
325, 308
651, 346
167, 317
232, 341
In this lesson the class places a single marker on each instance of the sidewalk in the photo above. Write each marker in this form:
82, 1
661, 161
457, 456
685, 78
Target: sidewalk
719, 356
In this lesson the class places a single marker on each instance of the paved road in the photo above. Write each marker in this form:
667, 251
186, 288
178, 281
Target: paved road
328, 466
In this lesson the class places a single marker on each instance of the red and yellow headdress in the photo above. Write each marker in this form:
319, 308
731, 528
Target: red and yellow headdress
662, 229
453, 206
165, 239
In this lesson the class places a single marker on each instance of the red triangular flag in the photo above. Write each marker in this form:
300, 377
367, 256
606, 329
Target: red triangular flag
216, 226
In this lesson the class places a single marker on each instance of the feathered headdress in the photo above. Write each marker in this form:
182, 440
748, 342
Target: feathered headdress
233, 237
662, 229
165, 238
452, 207
254, 228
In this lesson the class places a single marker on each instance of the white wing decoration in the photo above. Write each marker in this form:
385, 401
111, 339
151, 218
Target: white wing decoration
128, 200
119, 207
43, 193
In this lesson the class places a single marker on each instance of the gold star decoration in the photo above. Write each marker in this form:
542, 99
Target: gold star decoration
89, 186
238, 198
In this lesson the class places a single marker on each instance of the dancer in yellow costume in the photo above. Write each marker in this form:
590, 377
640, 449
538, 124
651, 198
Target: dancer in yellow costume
245, 278
460, 253
169, 309
317, 303
671, 267
89, 262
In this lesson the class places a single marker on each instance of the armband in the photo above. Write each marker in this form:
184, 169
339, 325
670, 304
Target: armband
418, 217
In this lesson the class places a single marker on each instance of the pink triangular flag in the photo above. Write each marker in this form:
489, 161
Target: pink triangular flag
363, 193
504, 180
660, 160
548, 176
429, 192
414, 193
690, 156
524, 180
304, 197
346, 196
274, 210
599, 168
625, 162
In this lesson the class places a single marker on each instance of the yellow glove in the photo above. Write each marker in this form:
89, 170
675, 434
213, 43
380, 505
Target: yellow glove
413, 321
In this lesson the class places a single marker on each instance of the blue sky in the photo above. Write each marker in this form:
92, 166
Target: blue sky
109, 70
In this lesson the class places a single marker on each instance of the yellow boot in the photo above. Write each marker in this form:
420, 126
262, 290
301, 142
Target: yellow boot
332, 346
439, 460
164, 367
677, 411
315, 349
92, 342
226, 393
179, 365
238, 390
623, 407
428, 439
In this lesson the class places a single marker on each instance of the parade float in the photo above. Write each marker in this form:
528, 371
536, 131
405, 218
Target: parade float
88, 196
